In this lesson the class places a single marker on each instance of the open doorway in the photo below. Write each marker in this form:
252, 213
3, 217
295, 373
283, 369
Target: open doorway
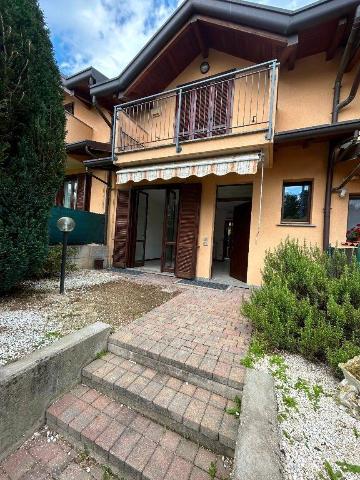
155, 229
232, 232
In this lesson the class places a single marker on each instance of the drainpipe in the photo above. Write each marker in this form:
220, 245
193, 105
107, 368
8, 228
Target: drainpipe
343, 64
335, 115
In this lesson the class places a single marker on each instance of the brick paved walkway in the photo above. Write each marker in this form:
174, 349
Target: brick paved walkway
199, 328
154, 405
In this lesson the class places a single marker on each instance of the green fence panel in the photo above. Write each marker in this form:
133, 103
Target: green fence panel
90, 227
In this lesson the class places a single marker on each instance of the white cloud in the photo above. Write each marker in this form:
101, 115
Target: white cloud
106, 34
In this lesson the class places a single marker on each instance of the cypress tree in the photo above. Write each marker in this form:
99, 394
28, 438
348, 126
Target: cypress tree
32, 132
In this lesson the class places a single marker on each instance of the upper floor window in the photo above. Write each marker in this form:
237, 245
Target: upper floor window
69, 107
296, 202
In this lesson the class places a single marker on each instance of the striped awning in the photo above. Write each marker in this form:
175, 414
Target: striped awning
242, 164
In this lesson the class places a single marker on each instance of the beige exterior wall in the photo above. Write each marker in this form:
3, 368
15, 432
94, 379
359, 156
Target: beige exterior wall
86, 123
304, 99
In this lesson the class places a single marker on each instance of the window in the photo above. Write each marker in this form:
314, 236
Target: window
69, 107
354, 212
296, 202
70, 193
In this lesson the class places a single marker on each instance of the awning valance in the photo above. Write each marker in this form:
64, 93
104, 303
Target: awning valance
242, 164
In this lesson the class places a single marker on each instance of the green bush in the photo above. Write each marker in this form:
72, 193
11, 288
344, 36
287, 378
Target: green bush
52, 264
309, 303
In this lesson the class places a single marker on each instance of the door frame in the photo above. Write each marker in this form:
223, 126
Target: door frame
136, 215
133, 218
239, 199
165, 243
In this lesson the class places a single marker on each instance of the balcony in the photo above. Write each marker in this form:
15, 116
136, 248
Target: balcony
237, 103
77, 130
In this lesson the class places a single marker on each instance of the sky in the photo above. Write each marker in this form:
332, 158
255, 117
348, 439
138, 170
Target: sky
107, 34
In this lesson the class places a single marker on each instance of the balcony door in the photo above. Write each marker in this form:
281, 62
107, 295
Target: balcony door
206, 111
170, 230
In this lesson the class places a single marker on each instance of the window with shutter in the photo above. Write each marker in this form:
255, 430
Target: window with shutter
206, 111
121, 238
188, 226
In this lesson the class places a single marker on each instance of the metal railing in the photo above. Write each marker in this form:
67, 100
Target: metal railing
237, 102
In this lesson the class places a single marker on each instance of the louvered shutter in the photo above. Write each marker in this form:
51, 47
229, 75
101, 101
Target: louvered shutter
221, 107
121, 240
188, 226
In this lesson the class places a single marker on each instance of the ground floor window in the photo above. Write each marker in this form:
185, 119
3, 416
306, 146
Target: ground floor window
70, 193
353, 226
296, 202
75, 192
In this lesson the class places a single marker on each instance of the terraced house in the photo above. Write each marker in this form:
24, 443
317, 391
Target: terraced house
236, 126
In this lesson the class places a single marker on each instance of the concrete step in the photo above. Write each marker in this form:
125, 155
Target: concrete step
192, 411
224, 377
133, 446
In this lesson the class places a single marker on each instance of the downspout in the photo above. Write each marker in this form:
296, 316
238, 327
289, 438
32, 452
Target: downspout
343, 64
335, 115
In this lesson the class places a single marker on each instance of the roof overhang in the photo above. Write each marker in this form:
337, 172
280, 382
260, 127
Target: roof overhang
285, 23
88, 148
100, 163
317, 132
242, 164
80, 82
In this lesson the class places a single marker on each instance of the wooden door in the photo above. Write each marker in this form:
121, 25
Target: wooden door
188, 227
121, 240
240, 242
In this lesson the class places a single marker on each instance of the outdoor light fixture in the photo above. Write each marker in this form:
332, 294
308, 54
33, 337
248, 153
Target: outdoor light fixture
65, 225
342, 192
204, 67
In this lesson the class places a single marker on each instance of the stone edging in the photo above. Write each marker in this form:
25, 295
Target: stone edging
257, 453
29, 385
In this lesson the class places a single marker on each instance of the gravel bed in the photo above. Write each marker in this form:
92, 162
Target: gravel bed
314, 428
21, 332
75, 280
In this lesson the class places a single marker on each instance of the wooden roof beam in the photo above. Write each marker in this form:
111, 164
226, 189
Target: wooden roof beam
203, 45
289, 53
337, 38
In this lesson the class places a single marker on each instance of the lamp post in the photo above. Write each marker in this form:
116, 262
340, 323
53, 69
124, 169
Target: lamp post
65, 225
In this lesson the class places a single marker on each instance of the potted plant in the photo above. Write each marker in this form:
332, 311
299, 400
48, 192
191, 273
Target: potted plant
353, 235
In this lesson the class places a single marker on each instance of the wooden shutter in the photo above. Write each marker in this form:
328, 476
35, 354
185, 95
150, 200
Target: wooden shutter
221, 107
188, 226
121, 240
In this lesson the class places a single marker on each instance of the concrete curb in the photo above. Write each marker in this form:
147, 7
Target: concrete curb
29, 385
257, 453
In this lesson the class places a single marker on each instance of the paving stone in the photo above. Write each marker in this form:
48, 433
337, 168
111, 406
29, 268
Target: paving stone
97, 426
155, 432
158, 464
194, 414
140, 424
109, 435
125, 415
211, 422
178, 406
164, 397
198, 474
187, 450
204, 458
124, 445
141, 454
179, 468
74, 472
17, 464
170, 440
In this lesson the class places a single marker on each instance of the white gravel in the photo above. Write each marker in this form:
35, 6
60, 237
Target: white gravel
21, 332
75, 280
312, 432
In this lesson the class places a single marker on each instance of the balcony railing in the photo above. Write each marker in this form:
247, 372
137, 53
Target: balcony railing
237, 102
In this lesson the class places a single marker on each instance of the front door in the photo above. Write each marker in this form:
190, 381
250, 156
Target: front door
240, 242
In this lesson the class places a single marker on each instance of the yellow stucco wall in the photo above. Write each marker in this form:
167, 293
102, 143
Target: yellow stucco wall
86, 123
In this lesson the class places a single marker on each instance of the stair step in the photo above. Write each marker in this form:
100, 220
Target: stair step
131, 444
192, 411
223, 376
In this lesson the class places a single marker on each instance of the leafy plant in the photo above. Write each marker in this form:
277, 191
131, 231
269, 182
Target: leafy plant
348, 467
257, 350
309, 304
212, 470
331, 474
101, 354
236, 409
313, 393
52, 264
356, 432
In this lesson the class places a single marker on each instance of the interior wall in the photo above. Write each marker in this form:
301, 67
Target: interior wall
155, 222
222, 214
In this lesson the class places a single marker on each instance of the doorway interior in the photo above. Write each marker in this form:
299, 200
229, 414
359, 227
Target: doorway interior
155, 220
232, 233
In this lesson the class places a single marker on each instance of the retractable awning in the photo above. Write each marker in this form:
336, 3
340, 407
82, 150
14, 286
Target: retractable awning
242, 164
